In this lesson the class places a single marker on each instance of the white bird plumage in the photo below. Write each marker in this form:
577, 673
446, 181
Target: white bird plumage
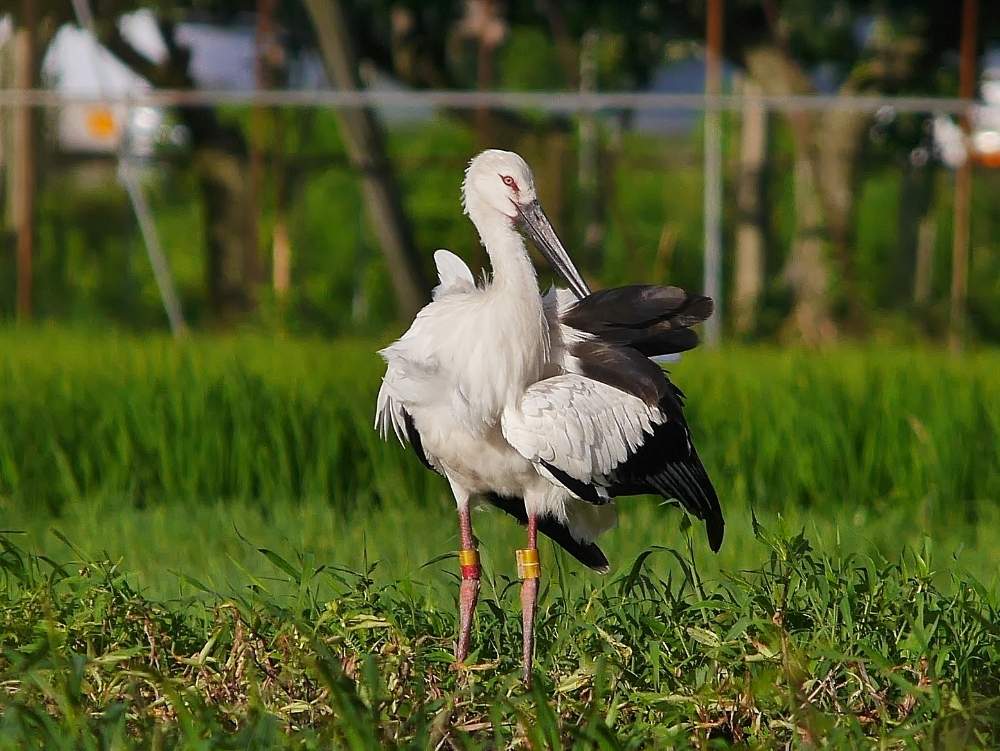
465, 369
504, 396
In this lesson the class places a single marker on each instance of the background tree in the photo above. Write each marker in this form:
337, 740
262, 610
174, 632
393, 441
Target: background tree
365, 145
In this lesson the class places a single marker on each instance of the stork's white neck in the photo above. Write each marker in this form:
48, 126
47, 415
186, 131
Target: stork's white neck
513, 273
521, 342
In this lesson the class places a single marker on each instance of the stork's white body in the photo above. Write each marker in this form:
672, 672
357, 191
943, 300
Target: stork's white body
462, 372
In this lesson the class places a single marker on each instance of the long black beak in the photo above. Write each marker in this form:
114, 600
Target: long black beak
539, 229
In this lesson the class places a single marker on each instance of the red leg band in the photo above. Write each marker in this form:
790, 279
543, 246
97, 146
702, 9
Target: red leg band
468, 561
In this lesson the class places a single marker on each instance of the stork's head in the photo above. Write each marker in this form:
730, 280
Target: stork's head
497, 180
499, 185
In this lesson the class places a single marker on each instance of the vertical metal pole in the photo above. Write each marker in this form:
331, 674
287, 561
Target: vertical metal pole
158, 261
713, 169
963, 182
130, 181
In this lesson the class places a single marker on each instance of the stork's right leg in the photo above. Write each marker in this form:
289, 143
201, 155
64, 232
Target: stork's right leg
468, 560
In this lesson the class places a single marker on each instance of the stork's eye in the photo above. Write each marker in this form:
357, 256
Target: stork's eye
509, 181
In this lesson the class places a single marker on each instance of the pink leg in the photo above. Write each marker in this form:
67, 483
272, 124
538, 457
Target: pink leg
530, 568
469, 592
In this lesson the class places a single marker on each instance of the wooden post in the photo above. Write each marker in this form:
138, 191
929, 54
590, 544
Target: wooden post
963, 182
713, 171
485, 56
270, 58
589, 175
23, 158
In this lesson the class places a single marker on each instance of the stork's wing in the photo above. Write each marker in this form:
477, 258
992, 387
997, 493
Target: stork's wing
578, 430
580, 427
668, 464
600, 442
455, 276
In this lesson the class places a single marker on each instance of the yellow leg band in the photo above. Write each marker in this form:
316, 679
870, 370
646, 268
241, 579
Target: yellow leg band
528, 566
468, 557
468, 562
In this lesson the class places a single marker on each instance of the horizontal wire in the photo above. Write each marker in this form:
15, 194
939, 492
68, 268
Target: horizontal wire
546, 101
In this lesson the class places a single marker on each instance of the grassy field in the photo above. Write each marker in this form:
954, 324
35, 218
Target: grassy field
208, 542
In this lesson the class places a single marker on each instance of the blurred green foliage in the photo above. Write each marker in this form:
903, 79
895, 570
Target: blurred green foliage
91, 266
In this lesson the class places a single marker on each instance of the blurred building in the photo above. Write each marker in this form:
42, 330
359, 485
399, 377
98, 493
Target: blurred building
222, 59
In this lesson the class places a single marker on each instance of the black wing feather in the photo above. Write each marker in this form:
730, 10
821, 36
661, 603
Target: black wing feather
668, 464
654, 320
634, 305
622, 367
582, 490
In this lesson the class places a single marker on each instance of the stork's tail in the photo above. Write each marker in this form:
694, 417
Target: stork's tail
652, 319
586, 552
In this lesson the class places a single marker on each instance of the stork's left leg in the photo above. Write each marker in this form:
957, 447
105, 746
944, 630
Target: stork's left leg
528, 568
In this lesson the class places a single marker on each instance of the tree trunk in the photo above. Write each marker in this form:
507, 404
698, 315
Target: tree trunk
365, 146
807, 271
281, 241
923, 275
269, 72
565, 46
748, 282
911, 272
230, 231
282, 254
259, 119
485, 58
839, 139
224, 180
24, 157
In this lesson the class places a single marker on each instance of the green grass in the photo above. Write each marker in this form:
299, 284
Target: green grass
804, 649
257, 419
150, 475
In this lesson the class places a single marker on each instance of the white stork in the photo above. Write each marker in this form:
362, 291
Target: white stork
548, 407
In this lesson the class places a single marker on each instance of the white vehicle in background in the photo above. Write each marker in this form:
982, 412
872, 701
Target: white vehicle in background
984, 141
